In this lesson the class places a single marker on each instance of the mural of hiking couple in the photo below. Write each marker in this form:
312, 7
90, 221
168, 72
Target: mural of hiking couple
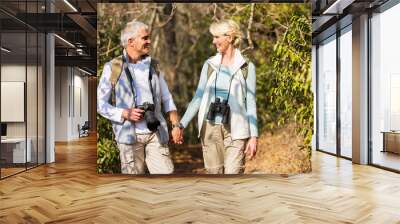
204, 88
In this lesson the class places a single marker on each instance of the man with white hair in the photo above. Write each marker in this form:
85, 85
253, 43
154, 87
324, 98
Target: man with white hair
130, 94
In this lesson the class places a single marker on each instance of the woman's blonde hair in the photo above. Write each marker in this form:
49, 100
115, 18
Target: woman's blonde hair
227, 27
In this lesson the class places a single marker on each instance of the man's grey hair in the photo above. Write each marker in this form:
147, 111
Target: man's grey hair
130, 31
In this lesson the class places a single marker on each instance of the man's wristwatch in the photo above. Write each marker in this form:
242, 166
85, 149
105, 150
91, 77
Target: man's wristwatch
178, 125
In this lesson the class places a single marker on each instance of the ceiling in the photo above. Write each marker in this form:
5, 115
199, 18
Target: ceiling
330, 15
74, 22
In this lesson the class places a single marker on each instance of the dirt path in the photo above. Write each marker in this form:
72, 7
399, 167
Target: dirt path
188, 159
277, 153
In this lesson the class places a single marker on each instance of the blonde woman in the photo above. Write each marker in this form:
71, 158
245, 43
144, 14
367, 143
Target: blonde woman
225, 103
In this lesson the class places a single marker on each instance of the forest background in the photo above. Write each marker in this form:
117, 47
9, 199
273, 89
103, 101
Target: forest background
277, 39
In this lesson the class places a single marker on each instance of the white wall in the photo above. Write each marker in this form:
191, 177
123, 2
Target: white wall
12, 73
71, 94
61, 103
80, 98
50, 93
16, 73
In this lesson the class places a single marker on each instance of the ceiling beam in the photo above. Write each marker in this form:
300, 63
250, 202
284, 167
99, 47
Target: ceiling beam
86, 26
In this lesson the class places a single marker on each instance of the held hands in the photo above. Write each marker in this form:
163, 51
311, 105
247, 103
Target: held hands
251, 147
177, 135
132, 114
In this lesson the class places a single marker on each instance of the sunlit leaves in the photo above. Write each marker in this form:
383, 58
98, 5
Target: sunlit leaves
292, 78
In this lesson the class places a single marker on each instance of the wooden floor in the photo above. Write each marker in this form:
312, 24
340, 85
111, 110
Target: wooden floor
387, 159
70, 191
10, 171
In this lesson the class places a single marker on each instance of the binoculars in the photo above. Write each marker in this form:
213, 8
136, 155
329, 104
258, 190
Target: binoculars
219, 107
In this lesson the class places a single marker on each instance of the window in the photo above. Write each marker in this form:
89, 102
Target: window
385, 89
327, 95
345, 92
23, 76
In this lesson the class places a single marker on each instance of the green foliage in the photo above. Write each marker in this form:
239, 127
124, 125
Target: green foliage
107, 152
291, 96
104, 128
107, 156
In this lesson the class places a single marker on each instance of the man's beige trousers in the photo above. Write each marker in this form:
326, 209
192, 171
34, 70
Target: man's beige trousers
221, 154
146, 151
